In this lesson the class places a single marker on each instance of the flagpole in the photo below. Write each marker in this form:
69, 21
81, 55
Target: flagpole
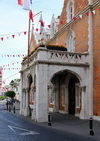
28, 38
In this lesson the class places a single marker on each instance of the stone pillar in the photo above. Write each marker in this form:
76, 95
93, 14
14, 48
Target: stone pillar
26, 111
83, 99
66, 99
21, 93
55, 109
34, 109
41, 93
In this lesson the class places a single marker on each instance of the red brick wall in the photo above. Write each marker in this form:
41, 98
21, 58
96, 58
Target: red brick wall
96, 61
79, 5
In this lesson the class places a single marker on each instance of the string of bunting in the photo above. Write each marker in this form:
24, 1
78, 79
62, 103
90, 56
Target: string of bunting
37, 29
21, 55
11, 64
11, 68
11, 35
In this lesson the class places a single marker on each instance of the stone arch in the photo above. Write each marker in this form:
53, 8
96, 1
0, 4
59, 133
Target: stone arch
70, 71
60, 84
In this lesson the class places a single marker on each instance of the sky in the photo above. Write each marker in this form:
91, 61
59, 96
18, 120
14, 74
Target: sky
14, 21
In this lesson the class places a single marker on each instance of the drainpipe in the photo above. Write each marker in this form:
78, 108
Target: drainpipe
90, 43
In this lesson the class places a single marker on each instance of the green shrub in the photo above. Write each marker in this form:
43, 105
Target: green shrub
10, 94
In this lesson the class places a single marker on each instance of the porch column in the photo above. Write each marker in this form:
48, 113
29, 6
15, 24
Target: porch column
34, 99
23, 102
41, 93
66, 99
55, 109
26, 112
83, 99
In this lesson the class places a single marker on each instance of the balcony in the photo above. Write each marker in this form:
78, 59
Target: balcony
43, 55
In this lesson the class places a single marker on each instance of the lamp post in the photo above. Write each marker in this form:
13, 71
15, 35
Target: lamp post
12, 84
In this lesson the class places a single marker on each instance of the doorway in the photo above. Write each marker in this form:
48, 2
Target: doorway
71, 91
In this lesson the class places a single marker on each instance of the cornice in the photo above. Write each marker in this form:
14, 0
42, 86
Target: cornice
83, 12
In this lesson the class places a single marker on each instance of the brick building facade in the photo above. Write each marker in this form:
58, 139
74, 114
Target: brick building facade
66, 82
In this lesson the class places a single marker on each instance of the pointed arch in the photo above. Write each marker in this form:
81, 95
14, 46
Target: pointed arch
70, 41
70, 10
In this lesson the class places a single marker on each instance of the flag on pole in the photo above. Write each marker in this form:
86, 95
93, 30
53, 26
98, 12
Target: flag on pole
20, 2
41, 24
25, 3
31, 15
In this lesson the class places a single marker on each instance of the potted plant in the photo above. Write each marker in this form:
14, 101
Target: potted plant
56, 47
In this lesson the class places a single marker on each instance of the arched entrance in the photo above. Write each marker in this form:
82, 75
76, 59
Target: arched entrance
71, 93
64, 93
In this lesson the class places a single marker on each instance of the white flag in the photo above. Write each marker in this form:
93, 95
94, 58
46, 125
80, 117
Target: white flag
26, 5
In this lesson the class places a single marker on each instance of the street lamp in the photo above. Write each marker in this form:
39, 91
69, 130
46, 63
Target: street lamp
12, 84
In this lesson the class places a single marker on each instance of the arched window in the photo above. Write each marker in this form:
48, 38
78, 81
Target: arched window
70, 41
70, 10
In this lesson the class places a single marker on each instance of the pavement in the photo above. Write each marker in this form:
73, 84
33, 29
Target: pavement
68, 123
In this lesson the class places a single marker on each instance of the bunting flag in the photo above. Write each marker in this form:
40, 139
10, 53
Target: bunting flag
13, 35
22, 55
61, 22
74, 18
49, 26
80, 16
12, 64
11, 68
87, 13
93, 11
37, 29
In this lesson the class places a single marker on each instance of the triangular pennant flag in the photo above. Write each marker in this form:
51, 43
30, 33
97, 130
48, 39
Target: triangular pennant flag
19, 34
80, 16
2, 39
13, 36
87, 13
37, 29
7, 37
49, 26
25, 33
74, 18
93, 11
61, 22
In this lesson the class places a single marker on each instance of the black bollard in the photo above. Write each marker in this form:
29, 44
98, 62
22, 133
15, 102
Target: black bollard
7, 105
14, 109
91, 126
49, 122
9, 108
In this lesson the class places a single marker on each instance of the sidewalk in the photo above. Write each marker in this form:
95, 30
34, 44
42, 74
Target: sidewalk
69, 123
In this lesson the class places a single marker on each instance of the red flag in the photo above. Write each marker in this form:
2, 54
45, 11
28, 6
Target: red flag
31, 15
13, 36
41, 24
37, 29
2, 38
25, 33
20, 2
49, 26
61, 22
41, 21
74, 18
87, 13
